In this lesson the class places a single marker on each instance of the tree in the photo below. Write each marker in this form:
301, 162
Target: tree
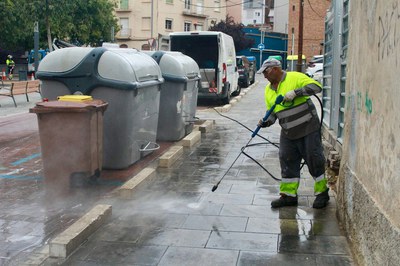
235, 30
87, 22
14, 24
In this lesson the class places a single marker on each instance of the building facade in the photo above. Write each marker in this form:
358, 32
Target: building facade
360, 123
234, 9
281, 16
314, 12
143, 23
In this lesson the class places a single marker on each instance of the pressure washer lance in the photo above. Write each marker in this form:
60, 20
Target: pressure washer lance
278, 100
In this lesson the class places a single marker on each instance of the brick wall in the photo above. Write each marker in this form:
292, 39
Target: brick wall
313, 26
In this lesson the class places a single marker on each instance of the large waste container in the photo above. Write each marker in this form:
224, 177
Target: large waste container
71, 140
128, 80
178, 98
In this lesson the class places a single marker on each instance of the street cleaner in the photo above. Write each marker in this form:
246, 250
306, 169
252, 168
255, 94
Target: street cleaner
300, 136
10, 66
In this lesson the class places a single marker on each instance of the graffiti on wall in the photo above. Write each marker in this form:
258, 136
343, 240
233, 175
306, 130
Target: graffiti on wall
362, 103
389, 33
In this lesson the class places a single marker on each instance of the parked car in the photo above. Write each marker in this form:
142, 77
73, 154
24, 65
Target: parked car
253, 67
315, 60
318, 76
314, 68
214, 53
246, 71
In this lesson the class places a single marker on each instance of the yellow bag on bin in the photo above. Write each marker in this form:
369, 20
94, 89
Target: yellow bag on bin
75, 98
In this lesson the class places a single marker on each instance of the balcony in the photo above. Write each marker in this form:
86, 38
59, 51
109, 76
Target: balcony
124, 34
190, 13
122, 10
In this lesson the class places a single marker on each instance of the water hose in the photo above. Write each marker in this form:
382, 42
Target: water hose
278, 100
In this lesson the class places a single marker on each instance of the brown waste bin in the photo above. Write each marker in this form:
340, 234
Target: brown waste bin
71, 140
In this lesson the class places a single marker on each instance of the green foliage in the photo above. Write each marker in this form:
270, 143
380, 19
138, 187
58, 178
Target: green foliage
86, 22
235, 30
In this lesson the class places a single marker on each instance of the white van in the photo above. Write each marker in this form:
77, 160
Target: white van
215, 54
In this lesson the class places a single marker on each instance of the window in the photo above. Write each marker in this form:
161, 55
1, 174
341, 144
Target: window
145, 23
198, 27
247, 4
169, 1
188, 4
199, 9
186, 26
217, 5
124, 24
168, 24
124, 4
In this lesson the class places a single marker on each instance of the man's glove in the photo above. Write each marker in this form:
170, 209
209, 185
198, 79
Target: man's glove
289, 96
262, 123
269, 122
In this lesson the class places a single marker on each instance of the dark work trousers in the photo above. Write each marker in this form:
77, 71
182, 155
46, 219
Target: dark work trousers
292, 151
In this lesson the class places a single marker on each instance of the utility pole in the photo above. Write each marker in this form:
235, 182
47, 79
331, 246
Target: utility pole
151, 19
292, 51
36, 45
300, 41
262, 13
262, 29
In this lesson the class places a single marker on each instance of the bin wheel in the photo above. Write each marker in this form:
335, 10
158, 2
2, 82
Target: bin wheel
97, 173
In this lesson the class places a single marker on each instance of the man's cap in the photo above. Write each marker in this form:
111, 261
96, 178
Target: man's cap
270, 62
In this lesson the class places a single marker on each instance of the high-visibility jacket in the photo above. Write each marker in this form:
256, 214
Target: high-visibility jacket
299, 118
10, 62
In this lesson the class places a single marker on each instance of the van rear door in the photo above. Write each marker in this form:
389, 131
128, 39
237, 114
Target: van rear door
204, 49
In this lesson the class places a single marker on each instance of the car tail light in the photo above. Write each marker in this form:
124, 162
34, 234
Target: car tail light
223, 73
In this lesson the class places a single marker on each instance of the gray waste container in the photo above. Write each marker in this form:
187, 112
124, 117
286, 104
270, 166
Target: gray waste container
178, 98
128, 80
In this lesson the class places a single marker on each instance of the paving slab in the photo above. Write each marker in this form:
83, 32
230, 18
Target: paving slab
172, 217
198, 257
243, 241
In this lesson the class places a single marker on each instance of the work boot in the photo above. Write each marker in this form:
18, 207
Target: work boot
283, 201
321, 200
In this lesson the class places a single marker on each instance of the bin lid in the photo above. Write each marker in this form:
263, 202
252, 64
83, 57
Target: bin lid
83, 68
175, 65
128, 65
69, 106
63, 60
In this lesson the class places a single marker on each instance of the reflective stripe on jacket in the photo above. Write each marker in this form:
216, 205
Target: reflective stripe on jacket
300, 118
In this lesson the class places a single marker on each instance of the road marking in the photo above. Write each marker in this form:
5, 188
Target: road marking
23, 160
22, 177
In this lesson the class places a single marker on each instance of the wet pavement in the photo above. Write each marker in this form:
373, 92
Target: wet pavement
173, 217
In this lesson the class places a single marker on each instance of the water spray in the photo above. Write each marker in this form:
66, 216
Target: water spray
278, 100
